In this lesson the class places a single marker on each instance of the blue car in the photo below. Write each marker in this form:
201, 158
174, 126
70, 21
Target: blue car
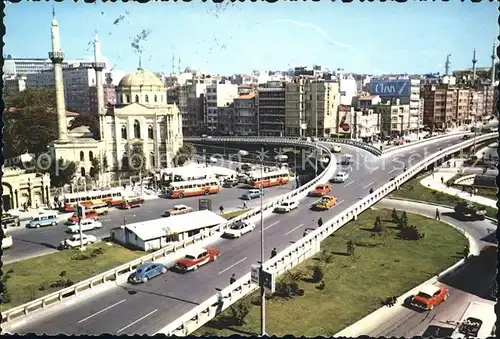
147, 271
252, 194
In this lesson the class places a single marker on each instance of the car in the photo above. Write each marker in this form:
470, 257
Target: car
10, 220
89, 215
347, 159
326, 202
465, 137
340, 177
128, 203
320, 190
286, 206
195, 258
336, 149
87, 225
231, 182
101, 209
430, 296
178, 209
74, 241
428, 136
44, 219
147, 271
238, 229
6, 241
252, 194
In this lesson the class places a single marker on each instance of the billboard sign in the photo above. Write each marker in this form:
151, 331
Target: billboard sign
390, 88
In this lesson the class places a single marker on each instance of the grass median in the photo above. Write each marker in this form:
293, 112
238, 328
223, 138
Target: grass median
233, 214
33, 278
414, 190
481, 191
354, 285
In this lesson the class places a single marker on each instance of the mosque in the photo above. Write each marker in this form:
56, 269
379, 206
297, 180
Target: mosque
140, 116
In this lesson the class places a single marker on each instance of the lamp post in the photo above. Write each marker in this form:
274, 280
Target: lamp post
262, 289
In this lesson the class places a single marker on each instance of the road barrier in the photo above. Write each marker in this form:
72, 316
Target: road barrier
112, 275
301, 249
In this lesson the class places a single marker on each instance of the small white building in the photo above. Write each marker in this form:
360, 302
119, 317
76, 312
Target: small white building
158, 233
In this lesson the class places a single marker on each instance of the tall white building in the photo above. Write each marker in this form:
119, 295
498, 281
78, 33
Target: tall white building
218, 95
24, 66
348, 89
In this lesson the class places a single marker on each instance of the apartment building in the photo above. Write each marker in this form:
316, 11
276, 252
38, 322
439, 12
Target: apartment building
462, 107
13, 86
218, 95
173, 94
395, 118
348, 89
192, 107
245, 115
439, 106
24, 66
312, 107
271, 109
226, 120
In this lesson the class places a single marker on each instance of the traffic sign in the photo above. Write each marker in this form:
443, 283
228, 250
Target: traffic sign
268, 278
205, 204
254, 275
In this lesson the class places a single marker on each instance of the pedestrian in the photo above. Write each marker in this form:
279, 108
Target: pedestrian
232, 280
305, 233
273, 253
454, 164
465, 252
442, 180
320, 222
245, 205
221, 209
437, 214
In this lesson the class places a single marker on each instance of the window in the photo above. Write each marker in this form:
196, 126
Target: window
137, 129
82, 171
156, 98
150, 132
82, 156
91, 156
127, 99
146, 98
124, 132
136, 98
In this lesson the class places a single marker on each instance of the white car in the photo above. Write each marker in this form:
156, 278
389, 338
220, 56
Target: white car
6, 241
340, 177
336, 149
239, 228
87, 225
74, 241
286, 206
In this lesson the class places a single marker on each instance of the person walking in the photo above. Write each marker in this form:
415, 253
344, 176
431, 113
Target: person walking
442, 180
245, 205
320, 222
273, 253
232, 280
221, 209
437, 214
305, 233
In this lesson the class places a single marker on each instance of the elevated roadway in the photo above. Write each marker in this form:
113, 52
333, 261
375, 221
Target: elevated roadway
145, 309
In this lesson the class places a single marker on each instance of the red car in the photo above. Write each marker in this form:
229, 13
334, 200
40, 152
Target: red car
320, 190
89, 214
195, 258
430, 296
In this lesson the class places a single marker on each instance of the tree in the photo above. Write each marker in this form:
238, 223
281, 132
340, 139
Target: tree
180, 159
410, 233
378, 226
136, 162
61, 174
394, 216
188, 149
239, 312
350, 248
39, 127
86, 120
13, 145
95, 169
403, 222
318, 273
33, 97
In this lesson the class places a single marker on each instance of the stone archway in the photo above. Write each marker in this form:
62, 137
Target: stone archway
8, 197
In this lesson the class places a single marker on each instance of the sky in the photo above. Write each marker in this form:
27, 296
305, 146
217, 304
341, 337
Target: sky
390, 37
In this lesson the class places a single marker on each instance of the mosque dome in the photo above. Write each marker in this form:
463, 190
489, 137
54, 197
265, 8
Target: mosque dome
140, 77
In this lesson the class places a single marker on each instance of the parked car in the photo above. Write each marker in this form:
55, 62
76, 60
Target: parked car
242, 178
326, 202
430, 296
6, 241
320, 190
286, 206
87, 225
131, 202
74, 241
239, 228
347, 159
89, 215
195, 258
10, 220
45, 219
178, 209
466, 137
252, 194
340, 177
147, 271
230, 182
101, 209
336, 149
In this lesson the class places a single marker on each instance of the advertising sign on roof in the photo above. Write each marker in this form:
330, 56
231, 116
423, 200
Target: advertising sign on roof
390, 88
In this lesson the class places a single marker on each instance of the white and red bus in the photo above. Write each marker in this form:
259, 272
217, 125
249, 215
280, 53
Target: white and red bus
112, 197
181, 189
268, 179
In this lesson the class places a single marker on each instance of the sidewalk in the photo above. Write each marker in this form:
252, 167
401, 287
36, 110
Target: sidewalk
433, 182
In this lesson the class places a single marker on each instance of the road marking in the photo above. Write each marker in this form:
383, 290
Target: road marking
103, 310
147, 315
287, 233
341, 201
350, 183
362, 155
236, 263
376, 168
274, 223
392, 170
368, 185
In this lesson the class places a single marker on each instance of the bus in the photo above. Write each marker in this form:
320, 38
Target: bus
181, 189
478, 321
271, 178
112, 197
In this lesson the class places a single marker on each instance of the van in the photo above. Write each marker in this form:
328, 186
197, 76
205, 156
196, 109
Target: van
48, 219
100, 209
131, 202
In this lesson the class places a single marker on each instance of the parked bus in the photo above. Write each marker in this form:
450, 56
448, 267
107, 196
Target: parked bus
112, 197
192, 188
268, 179
478, 321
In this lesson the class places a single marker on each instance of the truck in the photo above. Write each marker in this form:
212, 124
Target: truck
468, 210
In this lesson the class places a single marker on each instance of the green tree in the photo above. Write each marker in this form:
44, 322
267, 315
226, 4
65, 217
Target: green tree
318, 273
33, 97
136, 161
403, 222
394, 216
378, 226
239, 311
350, 248
86, 120
410, 233
60, 174
180, 159
13, 145
38, 128
95, 169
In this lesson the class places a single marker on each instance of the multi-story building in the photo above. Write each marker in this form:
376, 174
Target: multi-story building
245, 115
312, 107
218, 95
271, 109
462, 107
226, 120
439, 106
13, 86
348, 89
192, 107
395, 118
24, 66
173, 94
109, 90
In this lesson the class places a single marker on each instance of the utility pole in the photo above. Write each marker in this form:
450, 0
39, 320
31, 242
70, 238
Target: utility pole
261, 280
80, 213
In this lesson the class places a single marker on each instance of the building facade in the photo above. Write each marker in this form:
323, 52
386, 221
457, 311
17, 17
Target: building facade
21, 187
226, 120
192, 107
13, 86
24, 66
395, 118
245, 115
218, 95
271, 110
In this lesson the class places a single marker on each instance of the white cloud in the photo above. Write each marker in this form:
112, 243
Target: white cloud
317, 29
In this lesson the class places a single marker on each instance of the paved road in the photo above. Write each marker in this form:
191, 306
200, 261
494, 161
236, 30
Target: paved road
471, 283
153, 305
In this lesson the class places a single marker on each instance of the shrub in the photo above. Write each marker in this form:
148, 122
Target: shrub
326, 257
69, 283
10, 270
286, 288
350, 248
403, 222
378, 226
297, 275
410, 233
62, 274
318, 274
81, 256
394, 216
239, 312
58, 283
5, 295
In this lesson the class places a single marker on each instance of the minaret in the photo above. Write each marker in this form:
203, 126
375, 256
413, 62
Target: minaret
447, 65
98, 67
173, 62
493, 65
57, 57
179, 66
474, 61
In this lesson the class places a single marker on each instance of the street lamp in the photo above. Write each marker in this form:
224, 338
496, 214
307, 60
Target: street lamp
262, 290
